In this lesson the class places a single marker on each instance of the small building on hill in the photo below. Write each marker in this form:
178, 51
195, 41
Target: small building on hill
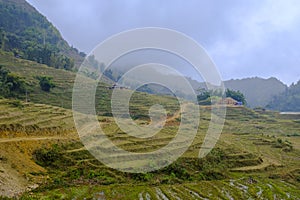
229, 101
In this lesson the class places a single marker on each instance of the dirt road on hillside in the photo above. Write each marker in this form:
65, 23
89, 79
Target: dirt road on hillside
21, 139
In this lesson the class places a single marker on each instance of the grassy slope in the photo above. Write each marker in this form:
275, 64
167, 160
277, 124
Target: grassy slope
25, 127
249, 147
251, 166
61, 95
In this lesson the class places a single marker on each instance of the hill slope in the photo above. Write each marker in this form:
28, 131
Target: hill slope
23, 128
289, 100
253, 158
27, 33
61, 95
258, 91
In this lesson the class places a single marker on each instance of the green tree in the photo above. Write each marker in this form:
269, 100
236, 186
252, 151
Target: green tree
203, 94
236, 95
11, 85
46, 83
4, 40
29, 35
4, 89
204, 97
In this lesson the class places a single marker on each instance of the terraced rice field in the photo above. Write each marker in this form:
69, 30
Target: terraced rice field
244, 165
257, 156
36, 116
243, 188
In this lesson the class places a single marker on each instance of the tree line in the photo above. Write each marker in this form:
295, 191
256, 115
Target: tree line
206, 97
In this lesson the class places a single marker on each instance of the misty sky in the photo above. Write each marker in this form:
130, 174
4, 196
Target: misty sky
244, 38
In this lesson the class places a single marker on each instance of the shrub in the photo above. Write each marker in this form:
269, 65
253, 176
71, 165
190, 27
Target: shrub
47, 157
11, 85
46, 83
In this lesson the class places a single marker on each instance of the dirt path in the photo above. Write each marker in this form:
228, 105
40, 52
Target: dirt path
21, 139
12, 182
176, 115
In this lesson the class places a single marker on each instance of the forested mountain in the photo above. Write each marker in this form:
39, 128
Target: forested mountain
289, 100
29, 35
258, 91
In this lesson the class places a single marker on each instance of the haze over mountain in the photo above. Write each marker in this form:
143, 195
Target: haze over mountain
31, 36
258, 91
244, 38
65, 134
288, 100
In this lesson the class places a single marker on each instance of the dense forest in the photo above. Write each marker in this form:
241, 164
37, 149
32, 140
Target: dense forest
29, 35
289, 100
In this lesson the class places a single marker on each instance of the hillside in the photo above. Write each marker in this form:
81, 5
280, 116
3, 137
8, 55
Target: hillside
28, 34
39, 142
43, 156
23, 128
39, 148
258, 91
61, 95
289, 100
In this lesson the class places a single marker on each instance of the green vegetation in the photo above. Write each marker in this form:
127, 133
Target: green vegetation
244, 164
256, 156
16, 114
206, 97
29, 35
11, 85
289, 100
61, 94
236, 95
67, 166
249, 168
262, 136
264, 90
46, 83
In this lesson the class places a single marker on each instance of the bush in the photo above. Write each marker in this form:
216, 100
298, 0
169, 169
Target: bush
11, 85
236, 95
46, 83
47, 157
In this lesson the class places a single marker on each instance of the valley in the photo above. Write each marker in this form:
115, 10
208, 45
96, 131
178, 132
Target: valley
257, 156
51, 146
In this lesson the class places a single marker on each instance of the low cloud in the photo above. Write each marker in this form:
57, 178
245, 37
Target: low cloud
244, 38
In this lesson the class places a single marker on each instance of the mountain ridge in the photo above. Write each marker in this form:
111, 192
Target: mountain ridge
30, 35
258, 91
33, 37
